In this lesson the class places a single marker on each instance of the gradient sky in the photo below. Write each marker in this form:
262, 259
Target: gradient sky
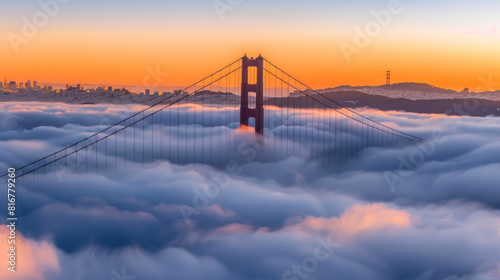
446, 43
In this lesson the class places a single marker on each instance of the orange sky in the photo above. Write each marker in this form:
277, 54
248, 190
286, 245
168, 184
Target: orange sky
67, 51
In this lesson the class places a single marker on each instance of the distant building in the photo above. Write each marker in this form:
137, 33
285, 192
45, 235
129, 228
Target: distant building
67, 86
466, 90
35, 84
12, 84
180, 93
47, 88
110, 88
1, 85
148, 92
28, 84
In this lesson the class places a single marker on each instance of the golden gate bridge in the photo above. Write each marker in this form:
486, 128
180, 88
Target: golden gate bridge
247, 99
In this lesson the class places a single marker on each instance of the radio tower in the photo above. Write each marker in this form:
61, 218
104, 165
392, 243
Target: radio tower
388, 79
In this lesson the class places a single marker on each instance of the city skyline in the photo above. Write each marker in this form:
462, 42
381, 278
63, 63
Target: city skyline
135, 89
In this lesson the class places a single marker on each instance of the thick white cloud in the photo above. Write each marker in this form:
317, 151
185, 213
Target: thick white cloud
197, 221
32, 259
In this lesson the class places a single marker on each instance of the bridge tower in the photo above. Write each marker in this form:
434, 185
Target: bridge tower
258, 88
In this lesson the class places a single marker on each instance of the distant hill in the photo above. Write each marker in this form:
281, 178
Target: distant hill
356, 99
400, 86
417, 91
417, 87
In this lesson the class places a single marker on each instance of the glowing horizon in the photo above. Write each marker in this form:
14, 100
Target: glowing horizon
114, 43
